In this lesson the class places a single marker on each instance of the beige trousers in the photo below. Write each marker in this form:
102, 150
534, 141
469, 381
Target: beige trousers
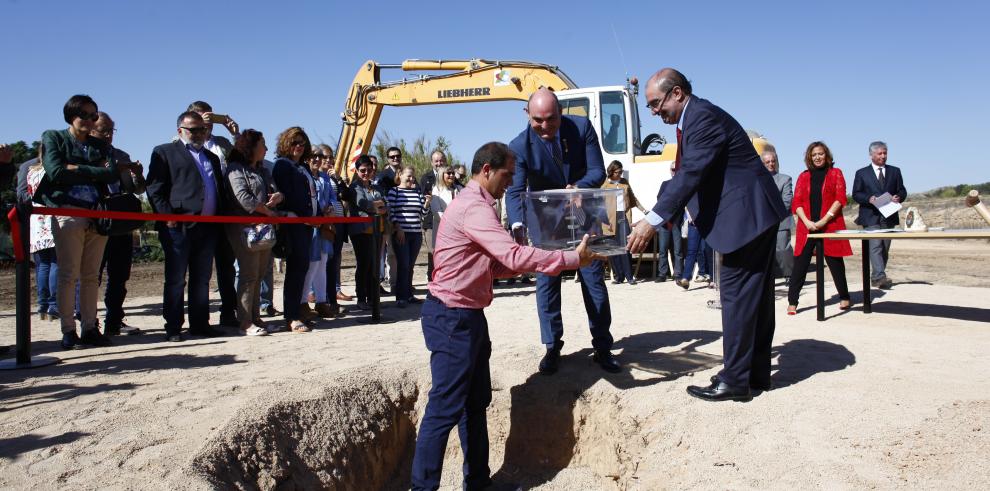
80, 250
252, 267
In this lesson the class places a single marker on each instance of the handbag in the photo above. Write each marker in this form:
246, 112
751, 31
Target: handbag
327, 232
259, 237
117, 202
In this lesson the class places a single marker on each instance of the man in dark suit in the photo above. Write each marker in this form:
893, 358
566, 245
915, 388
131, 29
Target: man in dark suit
784, 253
736, 206
872, 182
185, 178
557, 152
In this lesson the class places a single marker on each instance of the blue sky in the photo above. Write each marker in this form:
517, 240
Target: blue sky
911, 73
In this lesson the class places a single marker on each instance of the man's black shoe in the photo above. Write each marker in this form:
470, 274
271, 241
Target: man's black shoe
720, 391
111, 330
606, 360
271, 311
550, 362
70, 340
173, 338
205, 331
93, 337
762, 387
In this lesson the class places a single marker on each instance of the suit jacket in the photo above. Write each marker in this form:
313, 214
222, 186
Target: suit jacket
293, 179
866, 185
174, 183
783, 182
536, 170
722, 181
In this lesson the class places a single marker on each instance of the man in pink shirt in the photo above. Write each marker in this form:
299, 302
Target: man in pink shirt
471, 250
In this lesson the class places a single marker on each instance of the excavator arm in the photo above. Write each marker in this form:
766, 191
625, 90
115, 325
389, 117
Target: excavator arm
470, 81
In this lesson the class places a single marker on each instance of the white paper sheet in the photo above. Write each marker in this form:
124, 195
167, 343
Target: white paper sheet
886, 205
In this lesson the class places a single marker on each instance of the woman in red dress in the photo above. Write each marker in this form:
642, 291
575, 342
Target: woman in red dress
819, 196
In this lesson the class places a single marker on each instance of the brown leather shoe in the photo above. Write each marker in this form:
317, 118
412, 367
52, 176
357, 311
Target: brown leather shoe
325, 311
343, 297
306, 314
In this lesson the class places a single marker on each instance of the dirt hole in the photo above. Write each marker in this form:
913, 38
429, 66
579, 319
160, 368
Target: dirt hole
361, 433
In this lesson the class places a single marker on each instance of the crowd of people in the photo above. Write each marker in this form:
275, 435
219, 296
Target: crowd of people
199, 173
727, 209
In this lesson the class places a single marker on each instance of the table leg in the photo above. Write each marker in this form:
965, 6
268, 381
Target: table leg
867, 302
820, 277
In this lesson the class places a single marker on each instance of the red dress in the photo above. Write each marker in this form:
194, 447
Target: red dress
833, 190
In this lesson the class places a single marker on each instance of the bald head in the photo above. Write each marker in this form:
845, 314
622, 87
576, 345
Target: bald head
543, 109
668, 78
543, 98
667, 92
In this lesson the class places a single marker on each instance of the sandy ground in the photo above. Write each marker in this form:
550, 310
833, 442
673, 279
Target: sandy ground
896, 399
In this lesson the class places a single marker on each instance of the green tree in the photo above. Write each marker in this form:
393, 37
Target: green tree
416, 154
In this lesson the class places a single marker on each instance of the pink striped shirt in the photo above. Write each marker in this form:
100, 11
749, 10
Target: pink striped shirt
472, 249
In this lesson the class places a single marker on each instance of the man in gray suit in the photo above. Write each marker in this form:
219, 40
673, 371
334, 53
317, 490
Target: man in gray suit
784, 255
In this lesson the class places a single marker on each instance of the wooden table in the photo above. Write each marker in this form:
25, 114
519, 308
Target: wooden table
865, 237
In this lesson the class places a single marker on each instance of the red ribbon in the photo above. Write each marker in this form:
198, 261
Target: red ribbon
19, 253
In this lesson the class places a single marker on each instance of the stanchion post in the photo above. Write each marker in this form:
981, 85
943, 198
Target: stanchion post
375, 293
820, 277
22, 299
867, 301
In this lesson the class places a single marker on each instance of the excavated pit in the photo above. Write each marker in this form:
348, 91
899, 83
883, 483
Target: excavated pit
360, 432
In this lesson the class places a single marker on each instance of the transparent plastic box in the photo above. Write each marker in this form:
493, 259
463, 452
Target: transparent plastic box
557, 219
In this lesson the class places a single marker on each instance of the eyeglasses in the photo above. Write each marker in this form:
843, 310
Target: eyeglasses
89, 116
196, 131
362, 170
395, 157
108, 132
452, 173
657, 103
298, 143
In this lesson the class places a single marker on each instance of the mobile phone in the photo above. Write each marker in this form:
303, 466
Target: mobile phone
219, 118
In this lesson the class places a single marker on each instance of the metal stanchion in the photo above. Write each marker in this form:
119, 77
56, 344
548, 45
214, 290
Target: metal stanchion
23, 358
820, 277
376, 239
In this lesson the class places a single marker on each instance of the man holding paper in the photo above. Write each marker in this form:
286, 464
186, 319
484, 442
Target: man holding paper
879, 190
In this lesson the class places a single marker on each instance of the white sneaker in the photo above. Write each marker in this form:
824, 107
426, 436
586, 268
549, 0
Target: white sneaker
255, 331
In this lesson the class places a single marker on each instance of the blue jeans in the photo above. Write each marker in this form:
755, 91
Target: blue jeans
405, 259
46, 277
267, 288
697, 252
462, 390
187, 249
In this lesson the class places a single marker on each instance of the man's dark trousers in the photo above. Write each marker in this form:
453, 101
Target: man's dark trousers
225, 279
746, 290
187, 249
595, 303
462, 389
117, 263
670, 240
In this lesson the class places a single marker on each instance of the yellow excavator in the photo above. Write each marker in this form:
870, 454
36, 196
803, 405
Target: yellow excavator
613, 110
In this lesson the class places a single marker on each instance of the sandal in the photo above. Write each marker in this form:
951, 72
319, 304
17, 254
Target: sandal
845, 305
792, 310
299, 326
